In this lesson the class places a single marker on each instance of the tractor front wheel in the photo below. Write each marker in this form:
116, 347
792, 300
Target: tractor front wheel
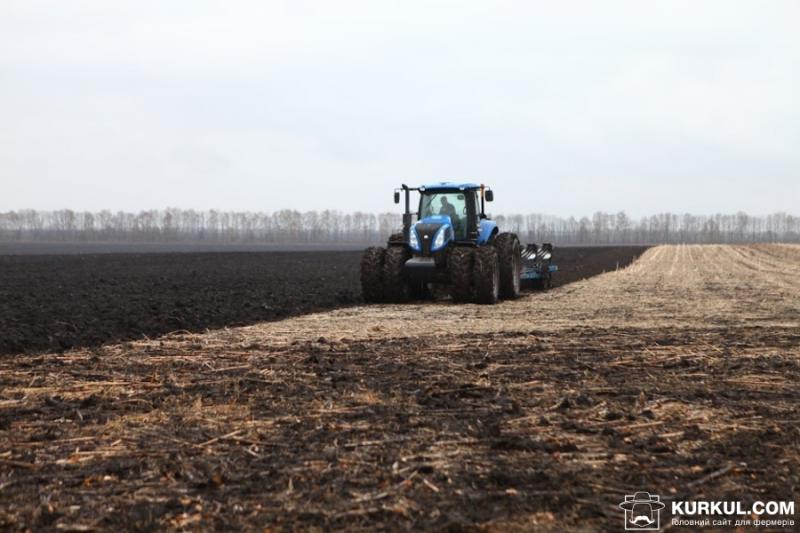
372, 274
395, 287
487, 275
460, 266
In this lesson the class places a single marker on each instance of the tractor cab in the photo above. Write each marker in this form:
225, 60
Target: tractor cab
448, 213
460, 206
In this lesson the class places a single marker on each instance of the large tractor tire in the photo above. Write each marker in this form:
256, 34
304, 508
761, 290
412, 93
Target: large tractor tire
487, 275
460, 264
372, 274
509, 252
416, 290
395, 286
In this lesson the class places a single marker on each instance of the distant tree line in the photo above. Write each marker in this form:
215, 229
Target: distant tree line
288, 226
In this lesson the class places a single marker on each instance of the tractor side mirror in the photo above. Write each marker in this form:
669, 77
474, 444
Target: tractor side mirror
489, 195
397, 197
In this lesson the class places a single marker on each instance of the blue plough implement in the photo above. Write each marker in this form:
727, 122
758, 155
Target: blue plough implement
537, 268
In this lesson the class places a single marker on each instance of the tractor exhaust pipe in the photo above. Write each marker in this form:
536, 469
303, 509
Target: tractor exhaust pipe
407, 213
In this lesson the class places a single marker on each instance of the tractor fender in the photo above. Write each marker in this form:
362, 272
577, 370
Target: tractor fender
486, 230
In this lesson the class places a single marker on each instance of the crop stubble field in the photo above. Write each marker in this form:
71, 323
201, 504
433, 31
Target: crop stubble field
677, 375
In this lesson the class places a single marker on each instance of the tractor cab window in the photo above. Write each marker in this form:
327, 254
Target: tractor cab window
453, 204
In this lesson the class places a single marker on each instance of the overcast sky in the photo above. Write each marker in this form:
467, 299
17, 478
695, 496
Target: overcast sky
562, 107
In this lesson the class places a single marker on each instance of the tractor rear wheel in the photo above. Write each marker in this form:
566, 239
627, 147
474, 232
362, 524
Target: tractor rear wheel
509, 252
395, 287
372, 274
460, 265
487, 275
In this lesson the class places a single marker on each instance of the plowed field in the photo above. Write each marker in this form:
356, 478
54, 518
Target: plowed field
677, 375
59, 302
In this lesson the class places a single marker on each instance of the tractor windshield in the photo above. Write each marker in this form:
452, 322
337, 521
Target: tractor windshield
453, 204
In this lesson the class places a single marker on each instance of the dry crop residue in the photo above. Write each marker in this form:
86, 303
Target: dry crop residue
677, 375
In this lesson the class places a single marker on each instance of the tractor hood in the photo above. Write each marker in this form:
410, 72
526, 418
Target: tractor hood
431, 234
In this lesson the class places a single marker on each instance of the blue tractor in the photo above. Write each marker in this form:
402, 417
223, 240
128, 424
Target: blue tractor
452, 244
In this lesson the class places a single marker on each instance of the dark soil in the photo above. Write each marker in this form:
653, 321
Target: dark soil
57, 302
